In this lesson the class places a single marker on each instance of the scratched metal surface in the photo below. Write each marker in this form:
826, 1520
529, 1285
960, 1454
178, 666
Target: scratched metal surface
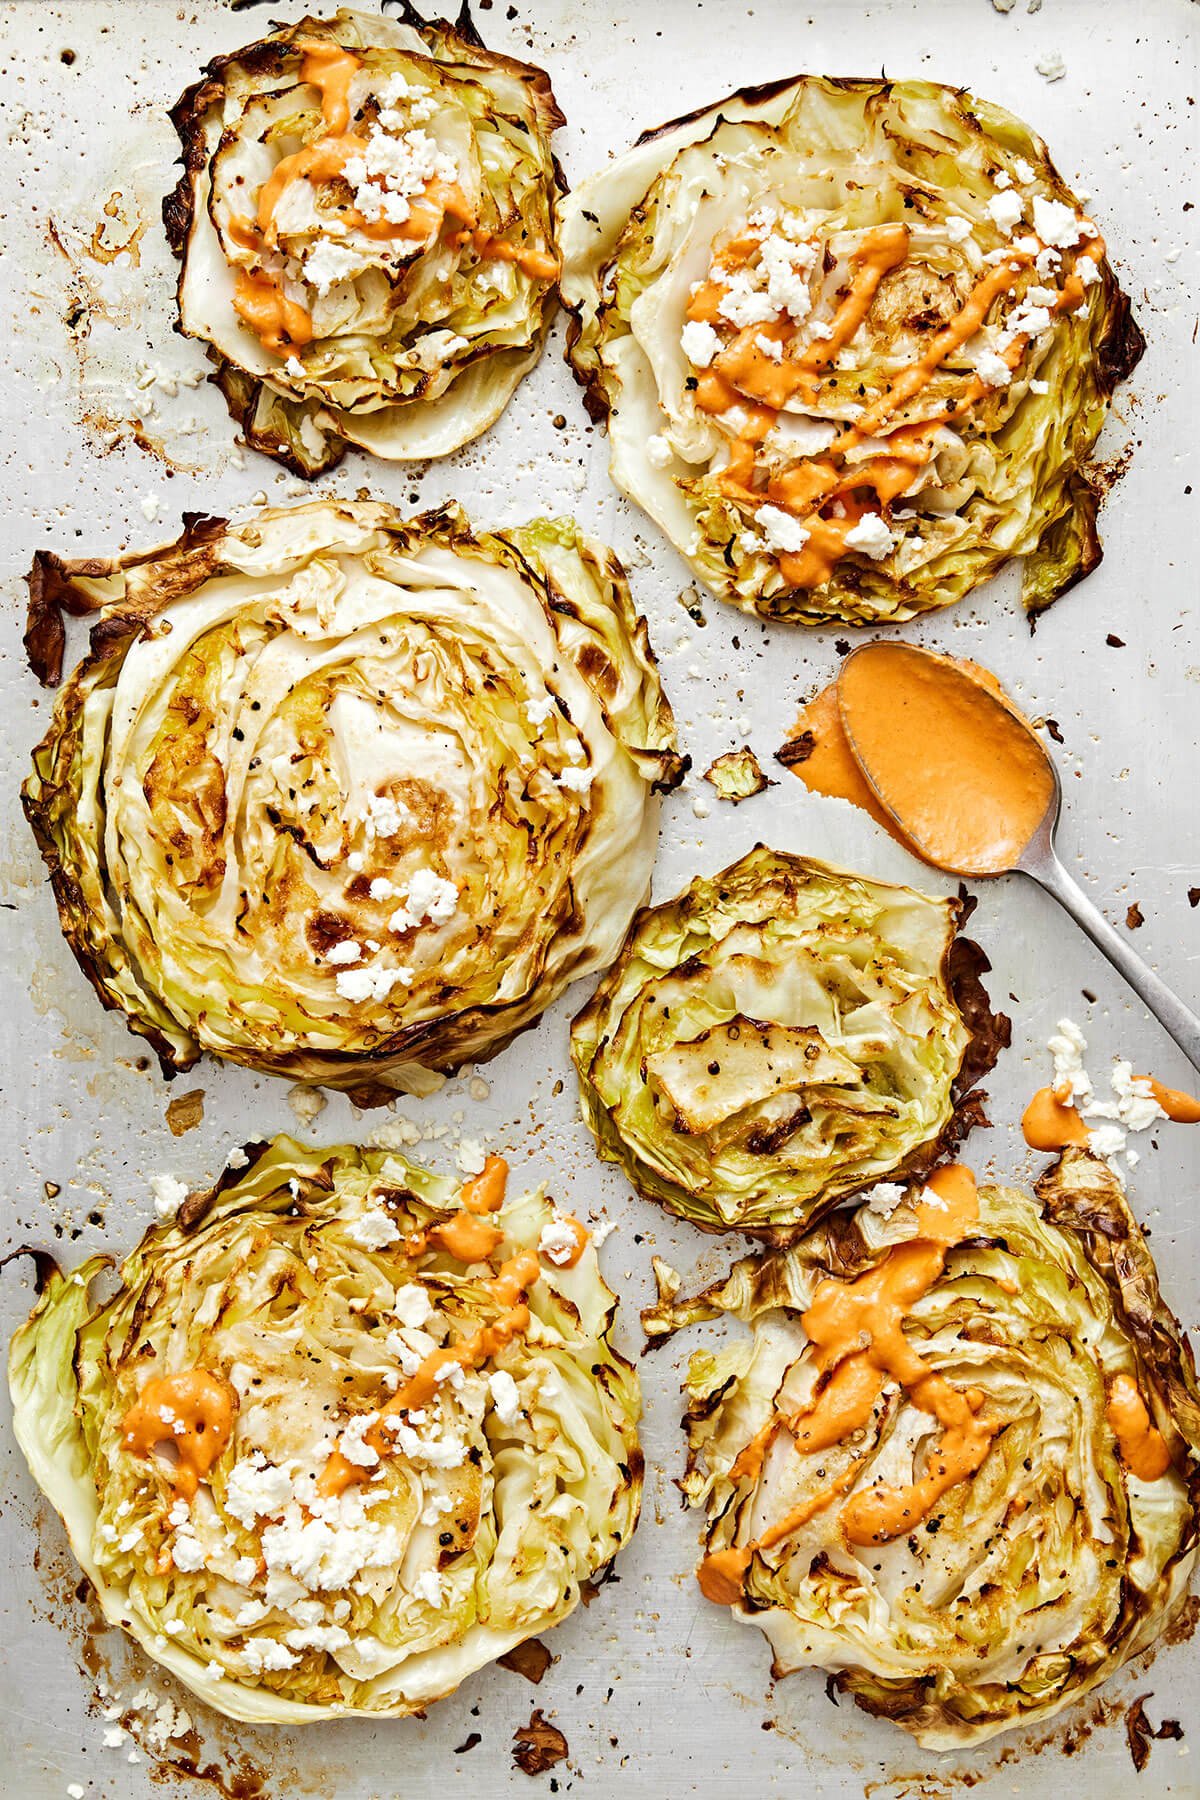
657, 1692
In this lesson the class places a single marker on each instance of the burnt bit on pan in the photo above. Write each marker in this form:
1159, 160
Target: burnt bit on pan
538, 1745
530, 1659
1141, 1733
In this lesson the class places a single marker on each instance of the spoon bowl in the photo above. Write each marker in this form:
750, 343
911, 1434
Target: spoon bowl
952, 755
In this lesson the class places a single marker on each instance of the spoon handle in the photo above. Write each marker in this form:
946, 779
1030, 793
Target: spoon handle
1167, 1008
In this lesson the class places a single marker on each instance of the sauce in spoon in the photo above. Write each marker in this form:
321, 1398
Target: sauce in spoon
933, 749
957, 767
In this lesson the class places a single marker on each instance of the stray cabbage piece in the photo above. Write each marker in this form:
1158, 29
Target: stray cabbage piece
854, 342
737, 775
958, 1468
341, 1436
347, 797
783, 1034
364, 225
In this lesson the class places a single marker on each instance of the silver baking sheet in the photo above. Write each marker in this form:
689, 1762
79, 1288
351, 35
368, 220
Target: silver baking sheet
105, 444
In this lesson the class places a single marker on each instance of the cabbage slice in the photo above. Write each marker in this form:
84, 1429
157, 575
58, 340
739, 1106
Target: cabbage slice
346, 797
383, 281
782, 1034
1034, 1578
300, 1286
854, 342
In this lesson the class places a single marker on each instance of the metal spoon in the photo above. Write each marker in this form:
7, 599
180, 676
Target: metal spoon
1039, 861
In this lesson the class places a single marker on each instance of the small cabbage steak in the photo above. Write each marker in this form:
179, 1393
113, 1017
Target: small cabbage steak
185, 1429
346, 797
1012, 1509
781, 1035
854, 342
364, 228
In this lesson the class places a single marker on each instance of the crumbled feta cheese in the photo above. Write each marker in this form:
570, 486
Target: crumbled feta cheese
372, 1229
658, 451
446, 1452
1133, 1106
169, 1194
744, 303
353, 1445
385, 817
992, 369
330, 1638
113, 1737
1106, 1141
1068, 1047
1039, 387
470, 1157
428, 1587
871, 536
75, 1790
578, 780
439, 1505
781, 531
408, 1358
412, 1305
187, 1552
1007, 210
538, 711
382, 889
307, 1103
393, 170
1135, 1098
325, 265
770, 347
700, 343
957, 228
1056, 225
1023, 170
884, 1198
1002, 178
785, 265
257, 1489
237, 1159
1025, 321
266, 1653
348, 951
430, 897
396, 1134
355, 861
371, 984
1051, 66
506, 1401
149, 504
250, 1615
558, 1242
332, 1547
